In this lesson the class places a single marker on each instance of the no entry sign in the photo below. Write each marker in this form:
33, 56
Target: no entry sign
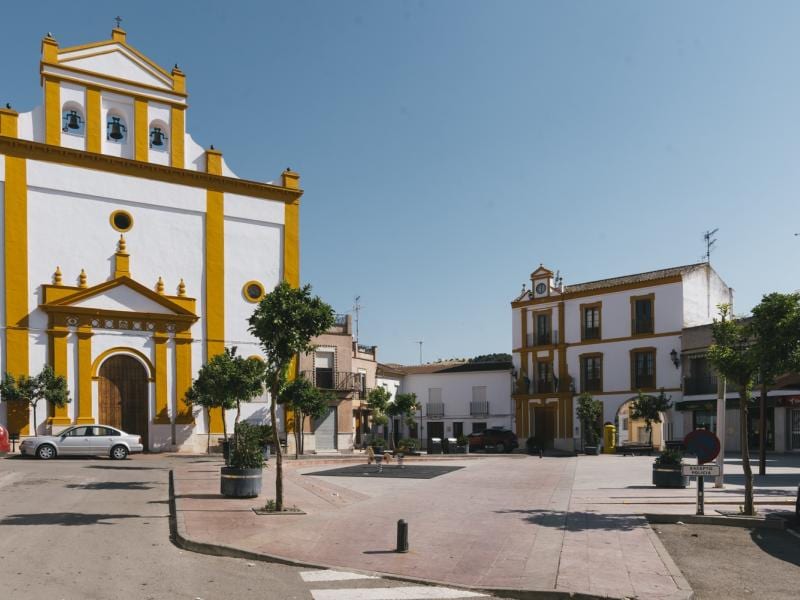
703, 444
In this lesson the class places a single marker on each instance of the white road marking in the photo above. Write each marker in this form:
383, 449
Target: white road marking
794, 533
395, 593
333, 576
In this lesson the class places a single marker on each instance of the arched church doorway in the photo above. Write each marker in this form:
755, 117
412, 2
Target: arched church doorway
123, 397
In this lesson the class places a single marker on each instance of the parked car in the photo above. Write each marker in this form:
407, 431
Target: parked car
499, 439
83, 440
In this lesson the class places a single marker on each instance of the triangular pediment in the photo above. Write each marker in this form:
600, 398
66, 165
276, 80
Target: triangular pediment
122, 294
117, 61
541, 272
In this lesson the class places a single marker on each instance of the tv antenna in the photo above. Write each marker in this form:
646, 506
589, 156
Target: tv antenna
420, 350
710, 240
356, 309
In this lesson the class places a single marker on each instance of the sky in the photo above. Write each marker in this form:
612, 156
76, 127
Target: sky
448, 147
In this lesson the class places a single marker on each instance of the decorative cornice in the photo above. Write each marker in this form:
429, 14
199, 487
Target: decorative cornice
123, 166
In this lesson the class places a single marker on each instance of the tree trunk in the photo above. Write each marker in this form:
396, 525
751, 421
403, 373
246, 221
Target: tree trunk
208, 438
34, 418
278, 453
762, 431
224, 426
748, 473
298, 434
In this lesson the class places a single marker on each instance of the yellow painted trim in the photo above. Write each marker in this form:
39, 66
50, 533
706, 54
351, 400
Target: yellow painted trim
98, 362
215, 287
177, 130
140, 130
58, 360
161, 412
167, 89
114, 225
85, 416
49, 50
15, 222
9, 122
52, 112
625, 339
93, 129
183, 378
291, 228
261, 294
123, 166
143, 93
602, 290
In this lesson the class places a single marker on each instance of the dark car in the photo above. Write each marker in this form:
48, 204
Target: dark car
497, 439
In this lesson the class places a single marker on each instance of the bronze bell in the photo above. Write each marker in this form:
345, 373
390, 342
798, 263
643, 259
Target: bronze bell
157, 137
73, 120
117, 129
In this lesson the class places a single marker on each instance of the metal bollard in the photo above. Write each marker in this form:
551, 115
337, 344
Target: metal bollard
400, 461
402, 536
541, 453
797, 505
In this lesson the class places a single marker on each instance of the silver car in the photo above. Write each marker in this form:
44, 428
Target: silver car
83, 440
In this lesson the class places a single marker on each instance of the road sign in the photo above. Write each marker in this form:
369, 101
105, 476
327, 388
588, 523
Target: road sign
703, 444
701, 470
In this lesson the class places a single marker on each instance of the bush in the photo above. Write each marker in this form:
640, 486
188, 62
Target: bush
407, 444
532, 444
245, 450
462, 440
378, 442
669, 458
265, 434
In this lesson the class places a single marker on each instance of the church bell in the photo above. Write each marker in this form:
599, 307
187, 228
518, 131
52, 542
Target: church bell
73, 120
157, 137
117, 129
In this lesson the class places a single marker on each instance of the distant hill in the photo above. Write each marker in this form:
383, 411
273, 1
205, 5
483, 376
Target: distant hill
497, 357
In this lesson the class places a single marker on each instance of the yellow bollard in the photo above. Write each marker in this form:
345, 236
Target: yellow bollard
609, 438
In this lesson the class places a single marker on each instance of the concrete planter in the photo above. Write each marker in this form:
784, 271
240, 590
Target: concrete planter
240, 483
669, 477
592, 450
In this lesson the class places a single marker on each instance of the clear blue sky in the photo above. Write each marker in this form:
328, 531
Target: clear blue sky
449, 147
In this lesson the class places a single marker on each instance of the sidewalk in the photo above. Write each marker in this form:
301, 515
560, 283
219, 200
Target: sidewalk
551, 525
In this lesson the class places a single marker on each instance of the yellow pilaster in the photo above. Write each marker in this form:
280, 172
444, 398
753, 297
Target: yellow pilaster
9, 120
161, 414
93, 126
58, 360
215, 274
140, 130
15, 222
291, 228
52, 112
177, 128
85, 416
49, 50
183, 377
178, 80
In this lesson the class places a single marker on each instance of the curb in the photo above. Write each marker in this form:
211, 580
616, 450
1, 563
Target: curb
674, 571
762, 522
180, 538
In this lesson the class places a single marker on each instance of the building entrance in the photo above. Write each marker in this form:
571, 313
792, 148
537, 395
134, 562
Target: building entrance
123, 400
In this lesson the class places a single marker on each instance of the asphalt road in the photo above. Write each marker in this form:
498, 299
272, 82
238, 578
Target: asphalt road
99, 529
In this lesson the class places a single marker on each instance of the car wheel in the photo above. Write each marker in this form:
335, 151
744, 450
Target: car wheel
500, 448
45, 452
119, 453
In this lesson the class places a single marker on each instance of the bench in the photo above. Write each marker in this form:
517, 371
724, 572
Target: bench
634, 449
674, 445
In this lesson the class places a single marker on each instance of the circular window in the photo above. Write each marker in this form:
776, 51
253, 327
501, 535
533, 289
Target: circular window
253, 291
121, 220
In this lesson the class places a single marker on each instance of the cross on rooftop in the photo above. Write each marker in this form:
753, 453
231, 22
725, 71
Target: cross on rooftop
118, 20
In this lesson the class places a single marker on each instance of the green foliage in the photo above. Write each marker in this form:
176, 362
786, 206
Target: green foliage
408, 444
305, 400
589, 411
648, 408
226, 381
404, 405
378, 399
732, 354
378, 442
31, 390
266, 434
245, 452
669, 458
379, 419
462, 440
496, 357
775, 333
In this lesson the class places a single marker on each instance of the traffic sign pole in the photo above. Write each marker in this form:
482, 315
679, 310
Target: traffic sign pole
721, 392
700, 496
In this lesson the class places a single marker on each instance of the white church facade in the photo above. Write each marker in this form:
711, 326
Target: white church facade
130, 253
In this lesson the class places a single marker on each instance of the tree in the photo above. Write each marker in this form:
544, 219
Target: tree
378, 402
496, 357
305, 400
775, 330
733, 357
285, 321
404, 406
45, 386
590, 411
225, 382
649, 408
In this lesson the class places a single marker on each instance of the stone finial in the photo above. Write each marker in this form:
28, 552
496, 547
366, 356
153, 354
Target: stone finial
57, 276
82, 279
181, 289
160, 285
122, 244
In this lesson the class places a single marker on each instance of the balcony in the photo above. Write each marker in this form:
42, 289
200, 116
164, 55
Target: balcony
643, 381
591, 333
701, 383
592, 385
543, 338
642, 325
434, 409
327, 379
479, 408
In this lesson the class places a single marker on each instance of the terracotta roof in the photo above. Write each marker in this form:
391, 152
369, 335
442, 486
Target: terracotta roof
443, 367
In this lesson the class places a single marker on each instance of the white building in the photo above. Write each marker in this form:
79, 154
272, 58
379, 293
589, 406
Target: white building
130, 253
611, 338
457, 398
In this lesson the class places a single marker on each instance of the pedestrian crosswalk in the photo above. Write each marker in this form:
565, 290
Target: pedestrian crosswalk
375, 588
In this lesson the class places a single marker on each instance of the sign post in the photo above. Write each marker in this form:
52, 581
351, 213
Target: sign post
705, 446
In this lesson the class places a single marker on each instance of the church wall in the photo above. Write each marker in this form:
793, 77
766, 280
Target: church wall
3, 418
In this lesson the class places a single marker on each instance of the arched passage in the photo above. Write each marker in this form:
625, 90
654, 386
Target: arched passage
123, 395
634, 431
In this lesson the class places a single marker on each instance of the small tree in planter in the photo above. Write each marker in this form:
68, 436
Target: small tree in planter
31, 390
667, 470
242, 477
404, 405
590, 411
305, 400
648, 408
378, 403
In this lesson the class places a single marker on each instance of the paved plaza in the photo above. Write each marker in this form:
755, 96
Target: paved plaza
570, 524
